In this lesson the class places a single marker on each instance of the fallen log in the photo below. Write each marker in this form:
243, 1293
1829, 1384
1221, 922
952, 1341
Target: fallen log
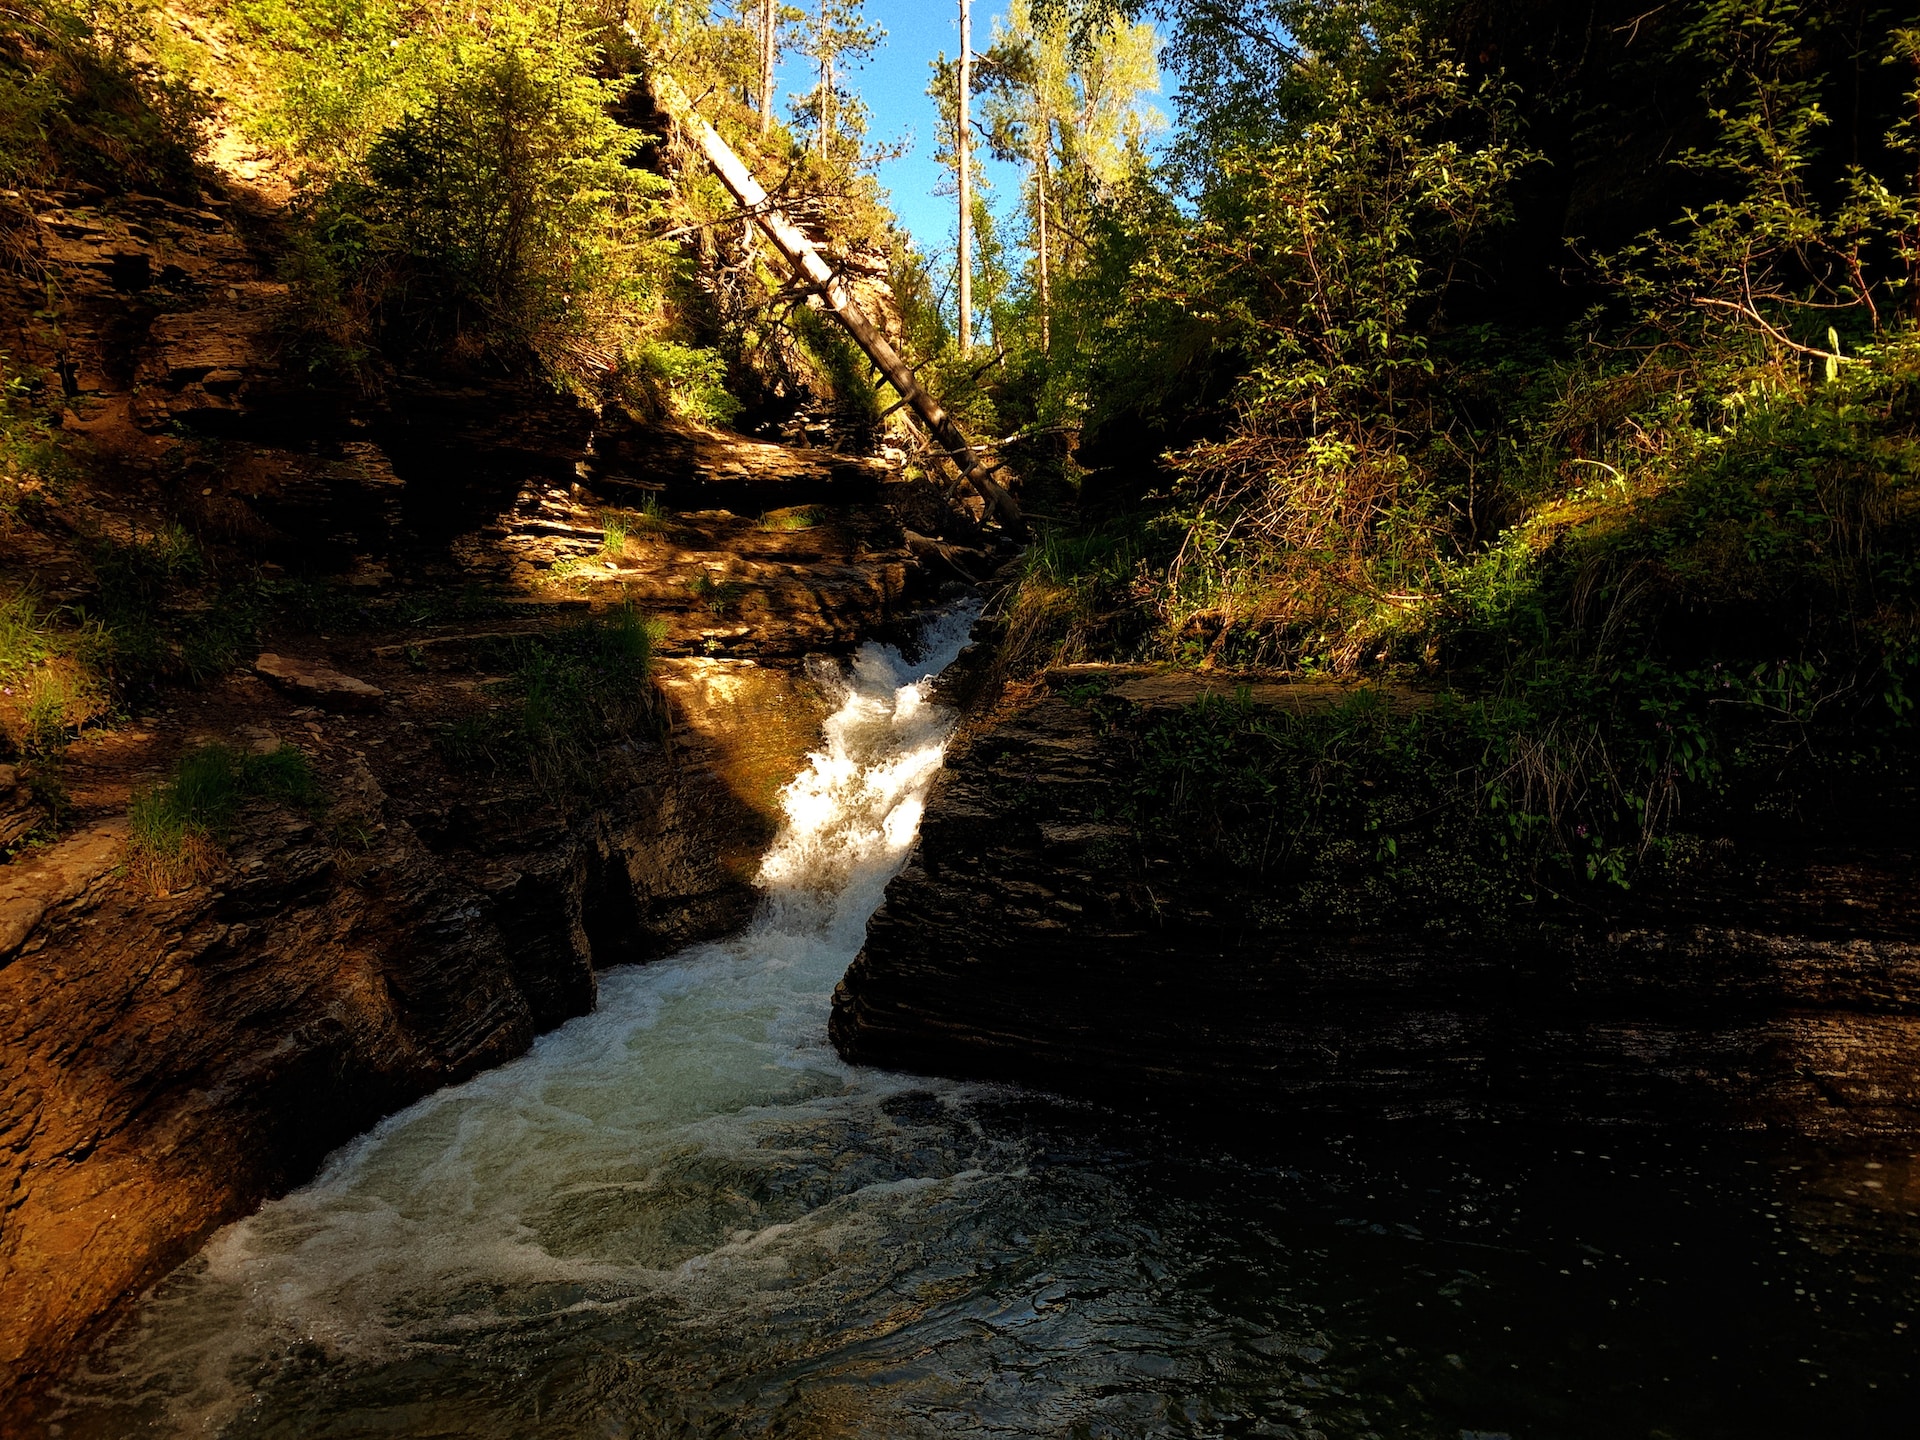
809, 265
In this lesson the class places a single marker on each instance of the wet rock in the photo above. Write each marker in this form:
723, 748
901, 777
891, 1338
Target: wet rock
168, 1062
1034, 937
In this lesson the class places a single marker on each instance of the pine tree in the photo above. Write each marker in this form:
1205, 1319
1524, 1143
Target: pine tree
839, 39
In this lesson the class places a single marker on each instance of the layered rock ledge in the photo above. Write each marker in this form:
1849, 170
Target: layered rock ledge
173, 1059
1036, 938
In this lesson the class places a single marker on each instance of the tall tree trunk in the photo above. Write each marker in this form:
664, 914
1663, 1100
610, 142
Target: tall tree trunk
1040, 195
821, 117
963, 152
769, 23
800, 253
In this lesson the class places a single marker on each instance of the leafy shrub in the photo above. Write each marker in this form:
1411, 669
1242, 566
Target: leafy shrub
843, 371
84, 96
1075, 598
1326, 253
1460, 814
473, 196
660, 376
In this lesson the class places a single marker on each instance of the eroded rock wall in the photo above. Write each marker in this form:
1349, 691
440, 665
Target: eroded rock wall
173, 1060
167, 1061
1036, 938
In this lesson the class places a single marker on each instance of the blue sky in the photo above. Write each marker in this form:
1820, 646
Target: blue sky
894, 85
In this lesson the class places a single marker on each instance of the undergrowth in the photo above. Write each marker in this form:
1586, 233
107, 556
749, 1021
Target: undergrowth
572, 701
178, 826
1557, 793
88, 92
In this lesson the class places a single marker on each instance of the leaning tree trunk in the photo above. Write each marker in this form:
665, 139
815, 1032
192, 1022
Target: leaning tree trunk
963, 160
806, 260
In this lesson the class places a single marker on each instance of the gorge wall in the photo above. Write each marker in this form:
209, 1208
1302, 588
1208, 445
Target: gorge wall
173, 1059
1037, 937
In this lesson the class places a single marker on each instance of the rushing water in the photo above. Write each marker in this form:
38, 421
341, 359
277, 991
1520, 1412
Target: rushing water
683, 1215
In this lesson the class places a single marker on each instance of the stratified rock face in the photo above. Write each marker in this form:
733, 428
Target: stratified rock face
170, 1061
1032, 938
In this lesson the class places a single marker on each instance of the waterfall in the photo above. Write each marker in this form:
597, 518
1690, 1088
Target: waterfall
683, 1215
606, 1169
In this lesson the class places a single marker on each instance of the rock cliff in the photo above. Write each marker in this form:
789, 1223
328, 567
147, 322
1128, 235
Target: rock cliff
1036, 937
173, 1059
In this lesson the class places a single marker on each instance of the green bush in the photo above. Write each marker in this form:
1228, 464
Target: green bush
1074, 598
474, 198
1553, 796
1657, 555
83, 97
1357, 816
658, 375
844, 372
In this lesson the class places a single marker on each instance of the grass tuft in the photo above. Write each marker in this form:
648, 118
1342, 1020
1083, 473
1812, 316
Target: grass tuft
50, 684
794, 517
720, 597
572, 699
179, 825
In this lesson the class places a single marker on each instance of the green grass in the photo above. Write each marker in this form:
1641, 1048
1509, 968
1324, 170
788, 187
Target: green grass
165, 615
793, 517
572, 699
178, 825
684, 380
26, 637
1073, 599
622, 525
51, 684
720, 597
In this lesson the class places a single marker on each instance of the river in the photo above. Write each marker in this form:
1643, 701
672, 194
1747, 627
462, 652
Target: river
683, 1215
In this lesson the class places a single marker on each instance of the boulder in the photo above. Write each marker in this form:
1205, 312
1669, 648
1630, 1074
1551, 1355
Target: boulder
318, 683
